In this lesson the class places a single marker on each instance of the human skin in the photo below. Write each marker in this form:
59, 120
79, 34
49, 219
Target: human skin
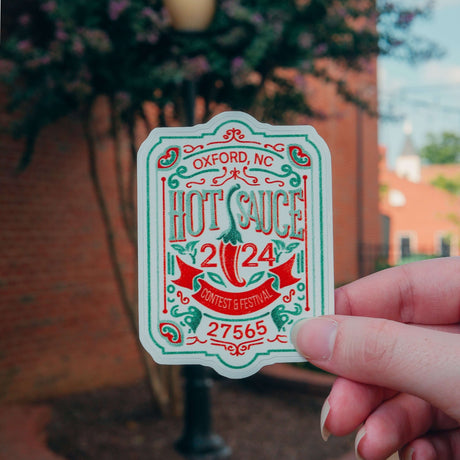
395, 345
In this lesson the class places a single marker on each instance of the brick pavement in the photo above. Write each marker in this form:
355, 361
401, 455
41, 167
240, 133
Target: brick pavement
23, 433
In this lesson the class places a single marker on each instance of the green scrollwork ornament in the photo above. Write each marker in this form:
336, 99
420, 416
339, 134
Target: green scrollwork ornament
281, 315
192, 317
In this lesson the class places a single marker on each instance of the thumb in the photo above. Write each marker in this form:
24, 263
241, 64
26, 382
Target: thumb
401, 357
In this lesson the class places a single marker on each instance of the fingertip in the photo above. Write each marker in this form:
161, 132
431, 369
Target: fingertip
423, 448
295, 330
315, 338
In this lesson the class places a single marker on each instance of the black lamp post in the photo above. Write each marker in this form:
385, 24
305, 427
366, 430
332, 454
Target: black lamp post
197, 441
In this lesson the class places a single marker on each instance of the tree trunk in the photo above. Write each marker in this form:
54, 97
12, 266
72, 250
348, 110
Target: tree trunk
164, 388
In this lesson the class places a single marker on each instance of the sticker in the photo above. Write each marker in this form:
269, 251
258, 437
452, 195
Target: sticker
235, 241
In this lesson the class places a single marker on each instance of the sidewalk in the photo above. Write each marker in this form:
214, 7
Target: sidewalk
23, 426
22, 433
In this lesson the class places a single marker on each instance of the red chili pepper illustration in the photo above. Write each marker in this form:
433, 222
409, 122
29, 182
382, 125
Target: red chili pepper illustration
229, 248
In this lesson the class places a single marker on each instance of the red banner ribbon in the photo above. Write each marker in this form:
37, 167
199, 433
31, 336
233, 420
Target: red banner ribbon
236, 303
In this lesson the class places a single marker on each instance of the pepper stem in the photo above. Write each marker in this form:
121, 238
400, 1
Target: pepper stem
232, 234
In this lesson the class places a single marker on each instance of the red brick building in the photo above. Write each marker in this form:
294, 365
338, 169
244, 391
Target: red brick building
62, 326
423, 220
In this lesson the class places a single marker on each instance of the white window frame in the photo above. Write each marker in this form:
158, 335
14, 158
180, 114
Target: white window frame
439, 235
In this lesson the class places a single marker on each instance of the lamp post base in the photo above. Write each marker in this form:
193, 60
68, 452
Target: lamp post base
211, 447
198, 442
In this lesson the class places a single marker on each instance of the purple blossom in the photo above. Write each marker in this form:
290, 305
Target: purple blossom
389, 7
97, 39
305, 40
49, 7
61, 35
342, 12
158, 19
299, 82
25, 46
122, 100
230, 7
166, 17
6, 66
366, 65
237, 64
78, 88
38, 62
406, 17
257, 19
240, 71
150, 37
148, 12
78, 47
24, 19
197, 66
320, 49
116, 8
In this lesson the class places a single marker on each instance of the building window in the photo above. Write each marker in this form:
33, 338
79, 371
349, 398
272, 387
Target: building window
404, 247
445, 246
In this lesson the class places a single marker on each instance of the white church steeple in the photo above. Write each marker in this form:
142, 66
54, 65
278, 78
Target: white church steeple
408, 164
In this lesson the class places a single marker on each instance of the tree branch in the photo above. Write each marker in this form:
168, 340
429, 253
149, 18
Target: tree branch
160, 395
115, 129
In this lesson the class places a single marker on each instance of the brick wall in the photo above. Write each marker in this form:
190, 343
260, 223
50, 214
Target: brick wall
62, 326
345, 140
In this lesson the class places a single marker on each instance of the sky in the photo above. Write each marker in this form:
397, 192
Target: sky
426, 97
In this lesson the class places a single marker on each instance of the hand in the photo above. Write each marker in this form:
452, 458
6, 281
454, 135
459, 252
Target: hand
397, 351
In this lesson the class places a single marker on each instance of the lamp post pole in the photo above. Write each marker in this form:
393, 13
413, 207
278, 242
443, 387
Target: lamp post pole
197, 442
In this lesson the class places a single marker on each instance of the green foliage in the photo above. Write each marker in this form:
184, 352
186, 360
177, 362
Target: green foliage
64, 54
442, 149
454, 218
416, 258
449, 185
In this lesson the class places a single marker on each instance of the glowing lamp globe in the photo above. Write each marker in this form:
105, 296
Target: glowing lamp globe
191, 15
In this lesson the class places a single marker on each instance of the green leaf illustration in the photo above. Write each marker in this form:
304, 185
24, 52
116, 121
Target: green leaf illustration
255, 278
291, 247
216, 278
179, 248
190, 246
279, 244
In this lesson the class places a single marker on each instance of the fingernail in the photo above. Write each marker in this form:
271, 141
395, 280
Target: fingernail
314, 338
325, 433
295, 329
409, 455
359, 436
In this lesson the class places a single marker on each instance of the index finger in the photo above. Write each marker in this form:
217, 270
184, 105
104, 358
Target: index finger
426, 292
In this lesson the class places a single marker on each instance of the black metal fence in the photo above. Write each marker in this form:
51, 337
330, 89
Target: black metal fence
375, 257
